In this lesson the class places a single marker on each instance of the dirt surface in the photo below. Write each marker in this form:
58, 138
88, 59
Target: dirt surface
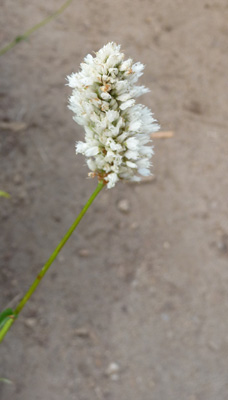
145, 288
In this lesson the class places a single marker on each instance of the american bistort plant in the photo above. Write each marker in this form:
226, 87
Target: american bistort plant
117, 142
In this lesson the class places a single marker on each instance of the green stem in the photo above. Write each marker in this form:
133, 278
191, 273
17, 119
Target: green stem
46, 266
34, 28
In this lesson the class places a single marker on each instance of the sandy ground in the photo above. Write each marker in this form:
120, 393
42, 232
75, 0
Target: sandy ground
147, 288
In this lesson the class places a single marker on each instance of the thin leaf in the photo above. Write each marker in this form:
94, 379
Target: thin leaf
5, 380
4, 316
4, 194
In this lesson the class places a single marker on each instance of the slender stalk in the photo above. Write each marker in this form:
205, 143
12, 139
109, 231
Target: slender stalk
46, 266
34, 28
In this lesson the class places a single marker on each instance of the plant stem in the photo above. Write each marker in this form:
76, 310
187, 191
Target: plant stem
34, 28
46, 266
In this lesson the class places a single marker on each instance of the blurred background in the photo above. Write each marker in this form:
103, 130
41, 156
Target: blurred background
135, 307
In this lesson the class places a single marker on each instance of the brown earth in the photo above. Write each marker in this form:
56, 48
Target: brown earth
146, 289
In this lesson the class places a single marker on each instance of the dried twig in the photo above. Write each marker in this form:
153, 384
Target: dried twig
162, 135
13, 126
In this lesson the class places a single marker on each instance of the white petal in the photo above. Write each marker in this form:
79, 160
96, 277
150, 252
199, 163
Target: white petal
143, 163
105, 96
89, 59
131, 164
130, 154
79, 120
146, 151
122, 137
135, 125
136, 179
127, 104
132, 143
124, 97
126, 65
109, 157
112, 115
92, 151
72, 80
91, 164
112, 179
81, 147
138, 68
144, 172
139, 91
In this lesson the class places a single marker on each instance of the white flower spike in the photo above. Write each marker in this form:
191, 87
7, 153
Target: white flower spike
117, 130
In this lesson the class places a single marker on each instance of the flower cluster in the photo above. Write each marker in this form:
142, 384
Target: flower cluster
117, 130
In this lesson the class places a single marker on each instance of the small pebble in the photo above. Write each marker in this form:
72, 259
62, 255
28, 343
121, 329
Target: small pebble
17, 179
123, 206
135, 283
134, 225
112, 369
61, 258
30, 322
165, 317
82, 332
222, 244
169, 335
115, 377
214, 205
83, 253
57, 218
22, 195
166, 245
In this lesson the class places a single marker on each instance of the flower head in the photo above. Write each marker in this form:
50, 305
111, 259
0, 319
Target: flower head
117, 131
